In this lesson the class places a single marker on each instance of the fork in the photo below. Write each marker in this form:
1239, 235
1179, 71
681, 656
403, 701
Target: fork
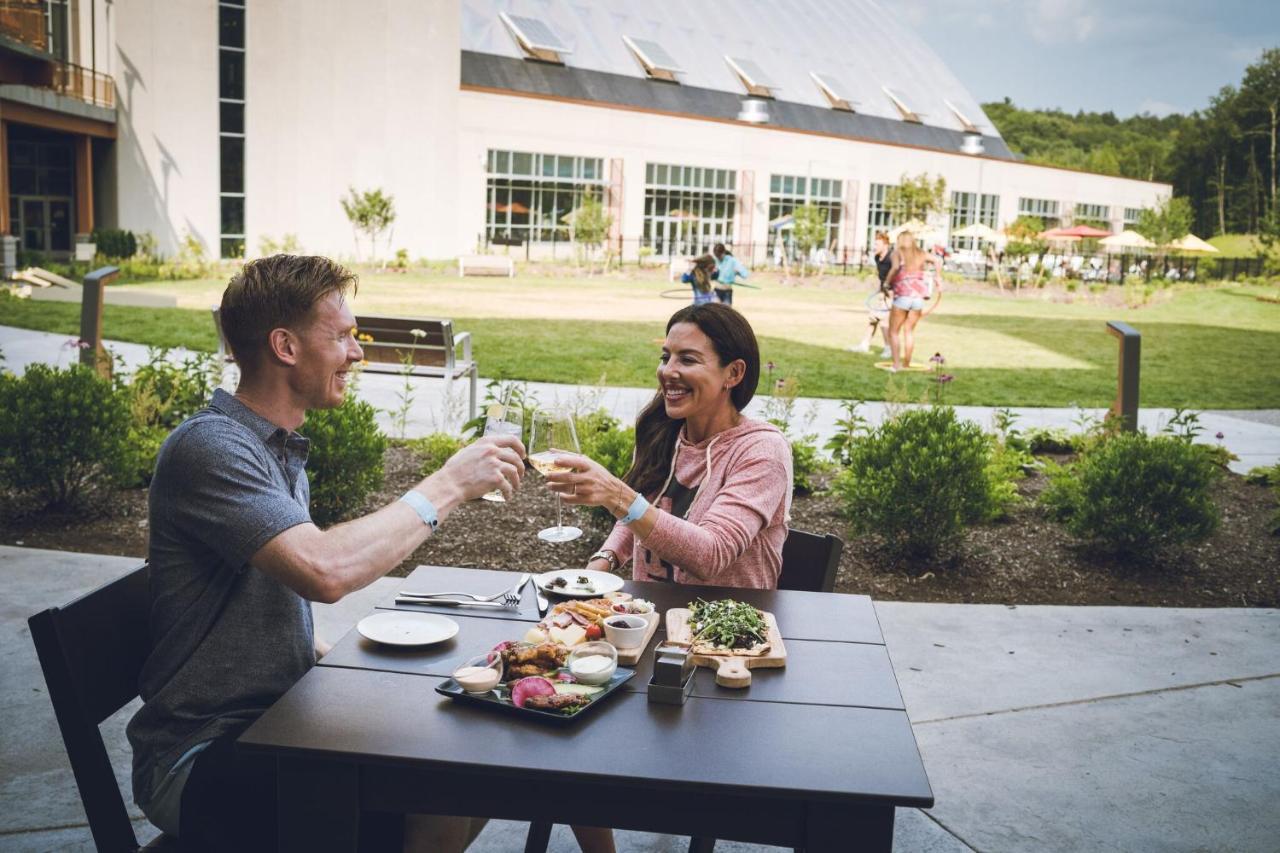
510, 597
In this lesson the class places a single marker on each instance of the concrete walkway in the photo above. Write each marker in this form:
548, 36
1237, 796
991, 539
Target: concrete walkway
1251, 434
1042, 728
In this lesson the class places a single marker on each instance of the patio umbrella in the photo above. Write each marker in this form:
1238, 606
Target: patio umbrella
1192, 243
1126, 240
979, 231
682, 214
1058, 235
1084, 232
915, 226
514, 207
782, 222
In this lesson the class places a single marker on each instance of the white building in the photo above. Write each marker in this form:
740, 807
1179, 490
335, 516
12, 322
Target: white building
487, 119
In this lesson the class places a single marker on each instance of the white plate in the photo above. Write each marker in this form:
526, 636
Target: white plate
600, 583
398, 628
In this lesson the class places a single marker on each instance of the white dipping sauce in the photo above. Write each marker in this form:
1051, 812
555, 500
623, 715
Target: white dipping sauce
590, 665
476, 679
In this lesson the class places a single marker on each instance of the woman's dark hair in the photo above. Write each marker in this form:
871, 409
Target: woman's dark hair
656, 434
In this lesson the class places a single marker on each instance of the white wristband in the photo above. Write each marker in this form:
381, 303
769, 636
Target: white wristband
425, 509
639, 507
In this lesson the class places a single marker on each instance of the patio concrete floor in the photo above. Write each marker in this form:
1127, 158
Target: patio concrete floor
1042, 728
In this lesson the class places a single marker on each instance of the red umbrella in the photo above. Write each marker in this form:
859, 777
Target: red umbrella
1084, 232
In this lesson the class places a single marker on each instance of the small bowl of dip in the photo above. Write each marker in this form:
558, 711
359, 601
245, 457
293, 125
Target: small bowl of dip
480, 674
592, 663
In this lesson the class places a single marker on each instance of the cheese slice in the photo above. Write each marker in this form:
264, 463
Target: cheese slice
571, 636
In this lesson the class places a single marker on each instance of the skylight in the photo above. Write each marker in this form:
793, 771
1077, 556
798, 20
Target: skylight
968, 126
535, 38
657, 63
903, 110
752, 77
833, 89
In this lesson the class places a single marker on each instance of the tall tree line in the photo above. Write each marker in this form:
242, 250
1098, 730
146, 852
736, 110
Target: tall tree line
1222, 159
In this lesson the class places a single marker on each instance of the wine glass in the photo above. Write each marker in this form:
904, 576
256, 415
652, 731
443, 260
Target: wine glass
550, 435
503, 419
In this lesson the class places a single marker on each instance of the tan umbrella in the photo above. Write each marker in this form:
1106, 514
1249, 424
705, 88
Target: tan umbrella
915, 226
1126, 240
979, 231
1192, 243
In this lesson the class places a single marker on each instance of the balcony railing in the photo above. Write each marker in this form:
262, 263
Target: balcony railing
25, 21
76, 81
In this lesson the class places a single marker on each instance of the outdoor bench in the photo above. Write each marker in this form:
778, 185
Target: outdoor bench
396, 348
486, 265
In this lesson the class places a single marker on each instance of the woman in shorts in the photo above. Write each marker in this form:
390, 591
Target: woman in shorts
910, 290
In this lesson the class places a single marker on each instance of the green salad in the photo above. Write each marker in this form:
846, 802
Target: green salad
727, 623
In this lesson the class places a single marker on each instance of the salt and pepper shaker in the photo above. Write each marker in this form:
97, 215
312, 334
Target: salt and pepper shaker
672, 680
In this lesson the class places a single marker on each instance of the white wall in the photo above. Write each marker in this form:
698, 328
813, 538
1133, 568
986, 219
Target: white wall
344, 94
490, 120
164, 61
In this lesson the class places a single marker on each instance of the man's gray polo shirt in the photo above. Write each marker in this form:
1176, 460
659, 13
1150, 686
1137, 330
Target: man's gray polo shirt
227, 640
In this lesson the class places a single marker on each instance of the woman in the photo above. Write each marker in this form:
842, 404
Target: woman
700, 276
728, 270
709, 492
878, 303
910, 290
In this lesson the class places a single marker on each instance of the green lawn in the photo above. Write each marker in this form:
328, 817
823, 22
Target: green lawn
1202, 348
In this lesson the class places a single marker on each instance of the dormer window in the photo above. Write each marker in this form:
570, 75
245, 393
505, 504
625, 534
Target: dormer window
903, 110
654, 59
833, 90
535, 38
752, 77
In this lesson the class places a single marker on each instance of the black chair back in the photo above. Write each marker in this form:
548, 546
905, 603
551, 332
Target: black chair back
809, 561
92, 651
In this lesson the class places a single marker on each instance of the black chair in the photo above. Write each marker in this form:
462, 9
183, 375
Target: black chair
92, 651
809, 561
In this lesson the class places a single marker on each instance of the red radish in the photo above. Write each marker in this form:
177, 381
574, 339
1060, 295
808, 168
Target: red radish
534, 685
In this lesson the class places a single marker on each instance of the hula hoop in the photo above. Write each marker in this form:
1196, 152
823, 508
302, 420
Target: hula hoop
676, 293
884, 302
915, 368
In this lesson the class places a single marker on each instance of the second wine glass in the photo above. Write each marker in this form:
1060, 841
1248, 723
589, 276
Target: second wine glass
551, 434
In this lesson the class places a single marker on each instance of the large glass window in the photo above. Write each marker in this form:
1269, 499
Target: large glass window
1093, 214
787, 192
529, 194
1131, 216
879, 217
1042, 208
969, 209
688, 209
231, 139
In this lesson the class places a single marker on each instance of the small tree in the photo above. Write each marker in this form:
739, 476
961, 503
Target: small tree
809, 230
1166, 222
917, 198
589, 224
371, 213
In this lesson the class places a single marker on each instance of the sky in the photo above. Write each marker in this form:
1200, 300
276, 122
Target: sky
1127, 56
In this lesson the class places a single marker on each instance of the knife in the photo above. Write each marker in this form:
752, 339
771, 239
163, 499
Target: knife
543, 604
451, 602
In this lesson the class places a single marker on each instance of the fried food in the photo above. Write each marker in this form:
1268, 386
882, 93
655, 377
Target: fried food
521, 660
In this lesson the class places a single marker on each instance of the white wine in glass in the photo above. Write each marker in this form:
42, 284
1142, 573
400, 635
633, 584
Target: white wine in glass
503, 419
550, 435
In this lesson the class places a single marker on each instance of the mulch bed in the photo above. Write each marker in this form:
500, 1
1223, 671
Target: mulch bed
1026, 559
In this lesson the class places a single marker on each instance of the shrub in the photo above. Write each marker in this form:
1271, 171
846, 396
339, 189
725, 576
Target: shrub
63, 435
434, 450
179, 390
601, 437
345, 460
806, 464
1135, 495
918, 480
115, 243
1049, 440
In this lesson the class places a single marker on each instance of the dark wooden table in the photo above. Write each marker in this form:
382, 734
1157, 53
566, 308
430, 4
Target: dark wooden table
814, 756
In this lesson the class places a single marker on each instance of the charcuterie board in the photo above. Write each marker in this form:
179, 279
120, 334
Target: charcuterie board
732, 669
631, 657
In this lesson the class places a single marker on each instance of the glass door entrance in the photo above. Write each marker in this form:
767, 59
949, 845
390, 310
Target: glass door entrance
41, 190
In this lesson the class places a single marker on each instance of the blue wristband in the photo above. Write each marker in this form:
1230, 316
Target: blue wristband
639, 507
425, 509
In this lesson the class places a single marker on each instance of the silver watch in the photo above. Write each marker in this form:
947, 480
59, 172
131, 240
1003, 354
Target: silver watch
605, 554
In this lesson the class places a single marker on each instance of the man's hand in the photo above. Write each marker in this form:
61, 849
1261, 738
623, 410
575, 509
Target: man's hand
493, 462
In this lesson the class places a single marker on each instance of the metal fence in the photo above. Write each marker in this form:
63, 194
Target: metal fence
1104, 268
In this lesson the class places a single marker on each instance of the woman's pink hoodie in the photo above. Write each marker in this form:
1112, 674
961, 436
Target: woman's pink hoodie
737, 522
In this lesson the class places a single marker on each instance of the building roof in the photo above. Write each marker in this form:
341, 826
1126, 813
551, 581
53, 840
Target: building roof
867, 55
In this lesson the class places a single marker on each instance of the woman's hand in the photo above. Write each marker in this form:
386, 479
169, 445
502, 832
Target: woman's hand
589, 484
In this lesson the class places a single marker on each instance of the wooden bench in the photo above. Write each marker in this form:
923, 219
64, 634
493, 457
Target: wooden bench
432, 353
486, 265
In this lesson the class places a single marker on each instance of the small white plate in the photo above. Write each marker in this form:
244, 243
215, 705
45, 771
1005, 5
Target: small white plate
398, 628
598, 583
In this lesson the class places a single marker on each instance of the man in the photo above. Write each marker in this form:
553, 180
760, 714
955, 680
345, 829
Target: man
236, 561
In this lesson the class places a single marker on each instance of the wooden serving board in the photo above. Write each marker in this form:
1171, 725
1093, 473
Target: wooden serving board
731, 670
631, 657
